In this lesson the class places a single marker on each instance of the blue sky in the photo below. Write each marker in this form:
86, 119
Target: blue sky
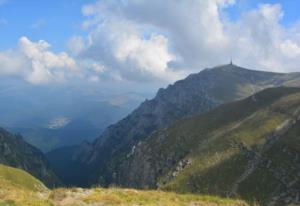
144, 41
57, 20
54, 20
290, 8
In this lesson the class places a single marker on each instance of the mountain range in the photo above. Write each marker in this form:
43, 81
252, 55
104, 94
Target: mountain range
100, 160
57, 116
226, 131
248, 148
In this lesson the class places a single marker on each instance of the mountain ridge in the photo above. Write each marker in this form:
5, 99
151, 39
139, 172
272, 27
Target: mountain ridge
238, 148
194, 95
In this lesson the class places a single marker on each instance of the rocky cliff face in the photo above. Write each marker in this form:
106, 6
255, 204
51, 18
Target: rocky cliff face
15, 152
196, 94
249, 149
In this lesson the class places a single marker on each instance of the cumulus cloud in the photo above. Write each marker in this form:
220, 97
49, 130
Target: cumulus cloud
11, 63
76, 45
147, 40
35, 63
259, 40
194, 28
121, 47
141, 40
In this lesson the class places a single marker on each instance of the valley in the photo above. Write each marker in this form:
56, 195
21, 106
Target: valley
226, 132
196, 94
150, 103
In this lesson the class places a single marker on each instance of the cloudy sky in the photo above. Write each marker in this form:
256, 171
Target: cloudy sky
137, 42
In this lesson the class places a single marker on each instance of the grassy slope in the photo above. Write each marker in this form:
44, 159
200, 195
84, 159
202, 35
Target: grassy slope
208, 142
128, 197
19, 188
217, 165
195, 94
15, 152
284, 157
20, 179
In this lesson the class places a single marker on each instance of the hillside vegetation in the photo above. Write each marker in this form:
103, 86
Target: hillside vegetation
15, 152
198, 93
248, 149
19, 188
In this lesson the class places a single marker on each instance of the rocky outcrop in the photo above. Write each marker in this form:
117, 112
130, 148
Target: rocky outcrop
236, 149
196, 94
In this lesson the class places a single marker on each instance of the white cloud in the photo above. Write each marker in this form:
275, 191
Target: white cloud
141, 40
147, 40
160, 37
35, 63
259, 40
76, 45
141, 58
11, 63
193, 27
122, 46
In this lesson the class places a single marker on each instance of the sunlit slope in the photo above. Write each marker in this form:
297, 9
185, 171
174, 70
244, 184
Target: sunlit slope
248, 148
19, 179
15, 152
19, 188
196, 94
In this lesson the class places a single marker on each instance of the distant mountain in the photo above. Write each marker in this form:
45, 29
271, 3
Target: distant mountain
15, 152
61, 115
249, 148
194, 95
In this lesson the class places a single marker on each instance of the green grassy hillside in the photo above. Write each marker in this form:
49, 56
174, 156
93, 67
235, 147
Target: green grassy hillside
20, 179
248, 149
196, 94
19, 188
15, 152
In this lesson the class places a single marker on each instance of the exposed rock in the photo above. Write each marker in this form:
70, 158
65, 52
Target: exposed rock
196, 94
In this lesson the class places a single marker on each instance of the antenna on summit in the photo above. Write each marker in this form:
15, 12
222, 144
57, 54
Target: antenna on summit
231, 63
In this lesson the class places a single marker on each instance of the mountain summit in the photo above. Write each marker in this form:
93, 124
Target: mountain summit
198, 93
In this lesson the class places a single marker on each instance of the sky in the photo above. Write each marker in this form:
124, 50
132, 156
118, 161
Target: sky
141, 42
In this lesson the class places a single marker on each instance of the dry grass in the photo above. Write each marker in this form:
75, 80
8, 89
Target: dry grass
130, 197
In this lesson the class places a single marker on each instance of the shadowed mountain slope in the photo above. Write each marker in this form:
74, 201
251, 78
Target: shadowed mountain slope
15, 152
249, 148
194, 95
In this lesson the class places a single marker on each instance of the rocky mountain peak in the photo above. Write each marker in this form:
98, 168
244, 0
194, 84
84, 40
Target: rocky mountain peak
196, 94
